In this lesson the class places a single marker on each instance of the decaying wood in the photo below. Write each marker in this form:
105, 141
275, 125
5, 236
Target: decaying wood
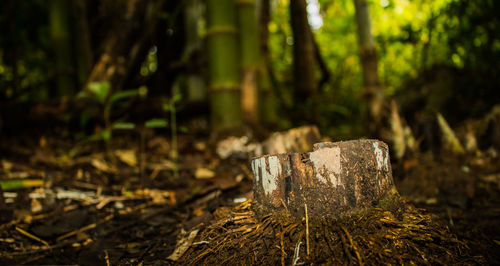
335, 179
299, 139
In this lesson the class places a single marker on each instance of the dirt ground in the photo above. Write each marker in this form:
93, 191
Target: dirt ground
124, 205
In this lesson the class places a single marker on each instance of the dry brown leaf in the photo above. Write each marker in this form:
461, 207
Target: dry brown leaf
204, 173
183, 245
127, 156
101, 165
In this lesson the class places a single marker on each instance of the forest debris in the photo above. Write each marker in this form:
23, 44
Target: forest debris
449, 136
127, 156
25, 233
238, 147
101, 165
20, 183
183, 245
400, 134
470, 141
6, 165
86, 228
300, 139
204, 173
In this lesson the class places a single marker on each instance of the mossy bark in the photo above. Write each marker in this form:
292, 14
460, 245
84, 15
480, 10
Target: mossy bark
222, 46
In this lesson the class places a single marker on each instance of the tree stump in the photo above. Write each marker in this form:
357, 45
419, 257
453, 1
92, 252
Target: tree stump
335, 179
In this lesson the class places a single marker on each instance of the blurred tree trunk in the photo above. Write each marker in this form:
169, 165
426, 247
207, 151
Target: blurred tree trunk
306, 86
249, 59
128, 43
372, 89
223, 66
61, 41
84, 57
196, 90
267, 100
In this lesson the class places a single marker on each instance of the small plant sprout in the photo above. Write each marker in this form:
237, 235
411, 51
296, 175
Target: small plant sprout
170, 107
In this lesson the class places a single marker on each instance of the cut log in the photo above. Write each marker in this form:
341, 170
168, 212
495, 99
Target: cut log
335, 179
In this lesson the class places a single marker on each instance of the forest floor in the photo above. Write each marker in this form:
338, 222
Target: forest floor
123, 205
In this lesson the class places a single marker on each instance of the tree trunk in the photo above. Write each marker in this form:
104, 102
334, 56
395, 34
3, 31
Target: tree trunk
84, 57
223, 66
306, 86
128, 43
335, 179
267, 100
249, 59
196, 91
372, 89
61, 40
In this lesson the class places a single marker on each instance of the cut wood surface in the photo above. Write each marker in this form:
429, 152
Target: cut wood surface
333, 180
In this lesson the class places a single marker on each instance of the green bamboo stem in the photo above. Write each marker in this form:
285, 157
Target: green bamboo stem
222, 46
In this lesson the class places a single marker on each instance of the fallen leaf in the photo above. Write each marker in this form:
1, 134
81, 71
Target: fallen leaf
101, 165
204, 173
6, 165
36, 206
127, 156
183, 245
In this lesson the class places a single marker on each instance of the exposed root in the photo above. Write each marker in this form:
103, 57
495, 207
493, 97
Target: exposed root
377, 236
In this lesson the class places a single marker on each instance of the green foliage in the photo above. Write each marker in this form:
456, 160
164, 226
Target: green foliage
156, 123
412, 37
123, 126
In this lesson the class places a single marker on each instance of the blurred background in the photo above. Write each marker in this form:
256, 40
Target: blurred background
139, 118
275, 64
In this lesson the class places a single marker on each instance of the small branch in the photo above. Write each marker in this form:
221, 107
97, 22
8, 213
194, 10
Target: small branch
85, 228
32, 236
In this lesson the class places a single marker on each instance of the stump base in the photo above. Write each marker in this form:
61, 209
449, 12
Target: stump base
334, 180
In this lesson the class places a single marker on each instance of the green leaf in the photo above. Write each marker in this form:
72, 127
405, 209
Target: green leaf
166, 107
122, 95
156, 123
100, 90
176, 98
183, 130
106, 135
123, 125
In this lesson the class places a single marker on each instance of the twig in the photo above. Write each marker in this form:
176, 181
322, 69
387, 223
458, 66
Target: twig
32, 236
106, 257
307, 231
85, 228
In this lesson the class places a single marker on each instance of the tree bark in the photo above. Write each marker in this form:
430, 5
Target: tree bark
61, 40
223, 65
128, 43
335, 179
306, 86
249, 59
267, 99
372, 90
84, 56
